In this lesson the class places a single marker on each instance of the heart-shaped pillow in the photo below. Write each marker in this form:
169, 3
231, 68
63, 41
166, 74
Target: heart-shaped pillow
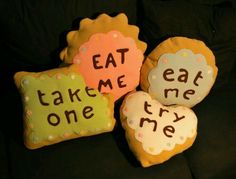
155, 132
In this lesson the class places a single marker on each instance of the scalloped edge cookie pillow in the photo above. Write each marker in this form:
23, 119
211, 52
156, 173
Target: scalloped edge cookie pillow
155, 132
179, 71
58, 106
108, 52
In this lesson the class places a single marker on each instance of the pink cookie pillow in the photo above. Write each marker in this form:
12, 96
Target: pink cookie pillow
179, 71
108, 52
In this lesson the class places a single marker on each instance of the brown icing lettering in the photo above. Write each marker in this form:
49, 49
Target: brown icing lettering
142, 120
106, 83
68, 114
110, 59
174, 89
55, 116
40, 95
59, 99
188, 92
71, 94
185, 94
162, 111
168, 72
88, 112
177, 117
168, 131
197, 77
120, 82
122, 51
95, 62
87, 89
183, 77
146, 105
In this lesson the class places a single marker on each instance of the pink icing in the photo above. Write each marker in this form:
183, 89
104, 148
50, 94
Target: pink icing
101, 45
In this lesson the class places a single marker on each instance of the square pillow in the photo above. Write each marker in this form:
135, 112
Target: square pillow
59, 106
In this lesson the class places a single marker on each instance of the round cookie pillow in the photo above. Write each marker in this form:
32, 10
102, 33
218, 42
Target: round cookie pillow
179, 71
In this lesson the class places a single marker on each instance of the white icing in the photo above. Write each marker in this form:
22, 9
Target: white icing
184, 59
154, 142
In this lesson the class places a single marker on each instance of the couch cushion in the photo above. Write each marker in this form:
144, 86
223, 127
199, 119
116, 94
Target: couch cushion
4, 172
102, 156
214, 152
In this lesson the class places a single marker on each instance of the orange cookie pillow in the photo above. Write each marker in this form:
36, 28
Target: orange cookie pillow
59, 106
155, 132
179, 71
108, 52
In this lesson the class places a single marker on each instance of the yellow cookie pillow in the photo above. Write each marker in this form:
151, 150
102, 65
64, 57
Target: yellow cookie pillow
108, 53
179, 71
58, 106
156, 132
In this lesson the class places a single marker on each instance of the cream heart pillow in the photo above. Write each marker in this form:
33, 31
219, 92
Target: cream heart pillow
155, 132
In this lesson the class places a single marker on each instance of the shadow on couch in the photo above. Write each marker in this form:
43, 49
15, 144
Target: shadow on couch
33, 33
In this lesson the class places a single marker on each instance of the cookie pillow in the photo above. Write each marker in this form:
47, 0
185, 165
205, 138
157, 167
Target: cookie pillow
108, 52
179, 71
58, 106
154, 132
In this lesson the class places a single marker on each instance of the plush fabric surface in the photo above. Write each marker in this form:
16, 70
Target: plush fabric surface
34, 32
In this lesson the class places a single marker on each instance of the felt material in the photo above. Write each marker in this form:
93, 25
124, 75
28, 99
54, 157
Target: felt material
206, 22
58, 105
154, 132
34, 32
20, 159
105, 48
79, 39
179, 71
